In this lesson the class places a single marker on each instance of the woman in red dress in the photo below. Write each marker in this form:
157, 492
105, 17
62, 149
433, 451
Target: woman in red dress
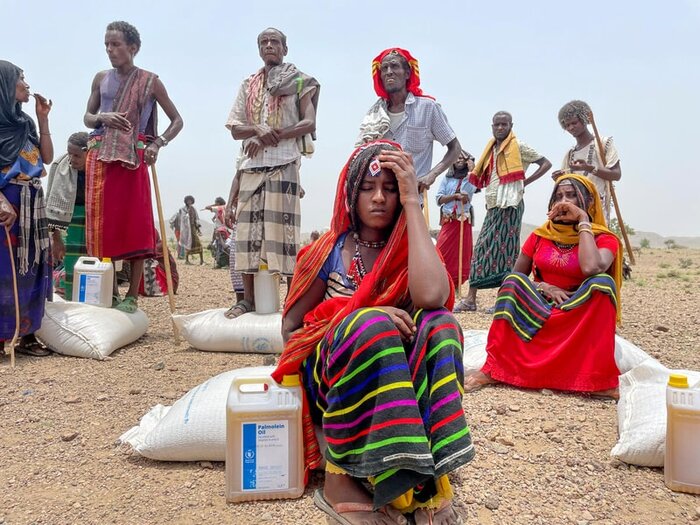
558, 330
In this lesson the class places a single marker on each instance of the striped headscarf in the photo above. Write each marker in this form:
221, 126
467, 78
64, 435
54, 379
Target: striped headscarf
413, 84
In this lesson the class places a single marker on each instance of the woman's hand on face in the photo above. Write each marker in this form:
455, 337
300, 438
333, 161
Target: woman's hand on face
402, 320
42, 106
58, 249
566, 211
401, 163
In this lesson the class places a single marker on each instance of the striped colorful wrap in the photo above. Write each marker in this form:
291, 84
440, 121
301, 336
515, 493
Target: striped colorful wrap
391, 411
385, 285
524, 308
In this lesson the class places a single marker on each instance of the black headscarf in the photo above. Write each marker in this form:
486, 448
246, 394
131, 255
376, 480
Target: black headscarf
15, 125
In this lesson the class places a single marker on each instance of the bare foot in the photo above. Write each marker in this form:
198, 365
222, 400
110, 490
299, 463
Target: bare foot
477, 381
610, 393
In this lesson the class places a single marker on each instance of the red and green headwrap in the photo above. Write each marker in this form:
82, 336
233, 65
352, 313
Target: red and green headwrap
413, 84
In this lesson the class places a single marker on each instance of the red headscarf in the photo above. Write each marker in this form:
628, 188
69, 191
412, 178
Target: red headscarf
413, 84
385, 285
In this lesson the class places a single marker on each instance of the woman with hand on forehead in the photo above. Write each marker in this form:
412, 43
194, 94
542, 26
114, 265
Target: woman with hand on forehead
368, 326
558, 330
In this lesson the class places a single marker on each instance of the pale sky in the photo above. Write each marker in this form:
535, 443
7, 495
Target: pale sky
635, 63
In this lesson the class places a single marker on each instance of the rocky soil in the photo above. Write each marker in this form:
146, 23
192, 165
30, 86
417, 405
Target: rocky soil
542, 457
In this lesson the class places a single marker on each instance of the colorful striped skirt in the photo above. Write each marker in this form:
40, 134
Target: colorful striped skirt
75, 248
391, 411
533, 344
497, 247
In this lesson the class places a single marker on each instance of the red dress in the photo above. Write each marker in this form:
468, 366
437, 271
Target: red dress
574, 349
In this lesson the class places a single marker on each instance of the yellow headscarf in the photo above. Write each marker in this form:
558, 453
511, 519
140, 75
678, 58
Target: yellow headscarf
566, 234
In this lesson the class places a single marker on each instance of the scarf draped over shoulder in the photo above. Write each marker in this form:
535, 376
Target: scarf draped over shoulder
133, 94
509, 165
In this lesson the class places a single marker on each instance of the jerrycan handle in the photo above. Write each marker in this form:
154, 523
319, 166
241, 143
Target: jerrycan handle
265, 381
89, 260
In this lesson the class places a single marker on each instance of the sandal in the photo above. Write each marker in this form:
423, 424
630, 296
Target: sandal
129, 305
32, 347
446, 513
240, 308
464, 306
352, 513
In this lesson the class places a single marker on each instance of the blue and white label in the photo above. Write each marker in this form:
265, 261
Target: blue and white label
265, 455
90, 287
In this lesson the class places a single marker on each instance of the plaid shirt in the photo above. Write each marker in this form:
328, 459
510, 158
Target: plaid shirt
423, 122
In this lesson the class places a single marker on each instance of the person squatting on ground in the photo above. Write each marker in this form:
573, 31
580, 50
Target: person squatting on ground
122, 111
500, 172
186, 221
24, 232
275, 116
457, 214
368, 325
558, 330
406, 115
65, 208
584, 158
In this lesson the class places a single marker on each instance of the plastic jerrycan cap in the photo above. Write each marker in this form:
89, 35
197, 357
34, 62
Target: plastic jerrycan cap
291, 380
106, 259
675, 381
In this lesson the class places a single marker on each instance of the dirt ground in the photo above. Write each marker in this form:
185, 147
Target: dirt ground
60, 418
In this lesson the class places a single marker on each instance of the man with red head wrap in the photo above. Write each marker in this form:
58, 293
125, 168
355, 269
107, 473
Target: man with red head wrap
407, 116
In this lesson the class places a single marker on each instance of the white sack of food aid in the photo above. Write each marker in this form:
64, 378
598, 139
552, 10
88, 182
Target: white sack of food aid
251, 333
194, 428
84, 330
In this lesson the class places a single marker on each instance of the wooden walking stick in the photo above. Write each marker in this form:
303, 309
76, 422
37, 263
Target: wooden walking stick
15, 336
461, 250
611, 189
426, 214
166, 253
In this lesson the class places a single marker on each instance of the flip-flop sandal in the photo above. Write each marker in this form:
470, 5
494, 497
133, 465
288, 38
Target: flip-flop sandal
33, 349
129, 305
242, 306
362, 511
446, 513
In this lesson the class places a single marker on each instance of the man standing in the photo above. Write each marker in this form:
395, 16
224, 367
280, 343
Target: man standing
122, 111
275, 116
584, 158
501, 173
407, 116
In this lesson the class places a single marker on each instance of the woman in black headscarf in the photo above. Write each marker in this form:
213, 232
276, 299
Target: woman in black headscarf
23, 152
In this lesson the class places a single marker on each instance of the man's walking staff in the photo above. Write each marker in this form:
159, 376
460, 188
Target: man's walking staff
166, 252
461, 250
426, 214
15, 336
611, 188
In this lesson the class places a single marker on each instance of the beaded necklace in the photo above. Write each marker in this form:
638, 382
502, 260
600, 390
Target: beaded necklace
357, 270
